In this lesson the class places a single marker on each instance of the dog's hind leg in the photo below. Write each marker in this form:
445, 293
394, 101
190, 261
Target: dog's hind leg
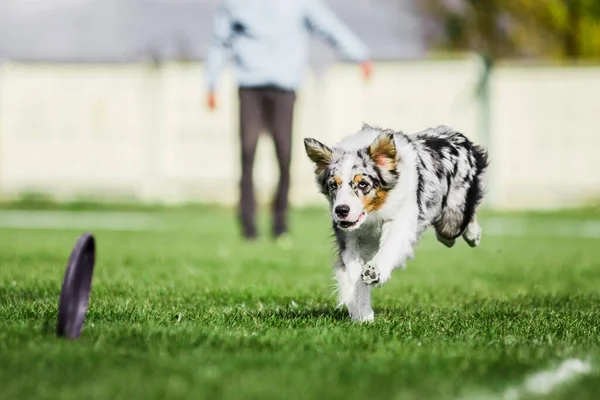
447, 228
447, 233
457, 219
447, 242
473, 233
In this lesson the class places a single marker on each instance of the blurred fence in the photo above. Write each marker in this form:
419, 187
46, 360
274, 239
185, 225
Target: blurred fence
141, 131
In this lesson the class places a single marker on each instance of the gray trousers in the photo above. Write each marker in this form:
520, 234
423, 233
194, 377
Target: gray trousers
265, 109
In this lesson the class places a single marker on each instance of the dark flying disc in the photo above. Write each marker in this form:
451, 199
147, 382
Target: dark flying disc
77, 284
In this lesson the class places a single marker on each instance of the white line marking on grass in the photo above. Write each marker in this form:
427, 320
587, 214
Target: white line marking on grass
115, 221
140, 221
541, 383
521, 227
546, 381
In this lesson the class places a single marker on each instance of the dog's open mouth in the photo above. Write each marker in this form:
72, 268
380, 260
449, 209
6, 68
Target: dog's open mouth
350, 224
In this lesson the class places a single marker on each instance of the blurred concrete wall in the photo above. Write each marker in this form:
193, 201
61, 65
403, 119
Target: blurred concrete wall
137, 131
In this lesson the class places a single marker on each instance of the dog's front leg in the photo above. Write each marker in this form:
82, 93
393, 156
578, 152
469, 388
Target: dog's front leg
353, 293
395, 248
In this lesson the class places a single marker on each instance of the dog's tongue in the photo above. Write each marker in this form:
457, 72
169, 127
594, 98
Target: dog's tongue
348, 223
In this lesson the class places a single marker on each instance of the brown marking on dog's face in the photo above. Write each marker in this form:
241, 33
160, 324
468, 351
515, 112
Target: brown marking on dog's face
334, 183
357, 179
383, 151
375, 199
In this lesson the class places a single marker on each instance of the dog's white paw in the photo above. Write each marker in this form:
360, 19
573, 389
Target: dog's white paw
473, 235
371, 275
366, 318
363, 317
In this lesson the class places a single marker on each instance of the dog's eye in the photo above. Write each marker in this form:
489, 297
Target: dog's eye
363, 185
333, 185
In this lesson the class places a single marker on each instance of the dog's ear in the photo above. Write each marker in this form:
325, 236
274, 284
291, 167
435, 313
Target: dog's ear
383, 151
320, 154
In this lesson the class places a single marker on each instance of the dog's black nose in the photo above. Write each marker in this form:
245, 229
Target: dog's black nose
342, 211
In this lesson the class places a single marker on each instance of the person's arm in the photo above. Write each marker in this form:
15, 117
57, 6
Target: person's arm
218, 50
321, 19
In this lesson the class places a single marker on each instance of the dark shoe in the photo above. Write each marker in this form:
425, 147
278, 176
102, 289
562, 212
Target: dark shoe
252, 236
249, 233
279, 229
284, 240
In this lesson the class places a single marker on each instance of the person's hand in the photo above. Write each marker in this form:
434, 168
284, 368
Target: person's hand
211, 101
366, 69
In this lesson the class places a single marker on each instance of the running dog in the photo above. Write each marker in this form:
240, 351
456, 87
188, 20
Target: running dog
385, 188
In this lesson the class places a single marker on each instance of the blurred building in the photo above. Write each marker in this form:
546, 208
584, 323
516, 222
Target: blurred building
57, 116
126, 30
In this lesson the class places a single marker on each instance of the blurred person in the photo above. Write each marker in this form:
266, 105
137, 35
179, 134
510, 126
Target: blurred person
268, 42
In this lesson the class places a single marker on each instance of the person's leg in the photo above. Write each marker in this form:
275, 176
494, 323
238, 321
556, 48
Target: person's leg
251, 123
280, 118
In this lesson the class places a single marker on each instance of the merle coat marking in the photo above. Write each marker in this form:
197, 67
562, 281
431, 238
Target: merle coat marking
385, 189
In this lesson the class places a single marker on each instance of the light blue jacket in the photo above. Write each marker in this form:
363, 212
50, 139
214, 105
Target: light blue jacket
269, 39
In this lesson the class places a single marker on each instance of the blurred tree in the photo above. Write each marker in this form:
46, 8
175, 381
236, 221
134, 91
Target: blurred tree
559, 29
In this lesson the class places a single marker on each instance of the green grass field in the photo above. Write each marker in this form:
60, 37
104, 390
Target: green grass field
182, 309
